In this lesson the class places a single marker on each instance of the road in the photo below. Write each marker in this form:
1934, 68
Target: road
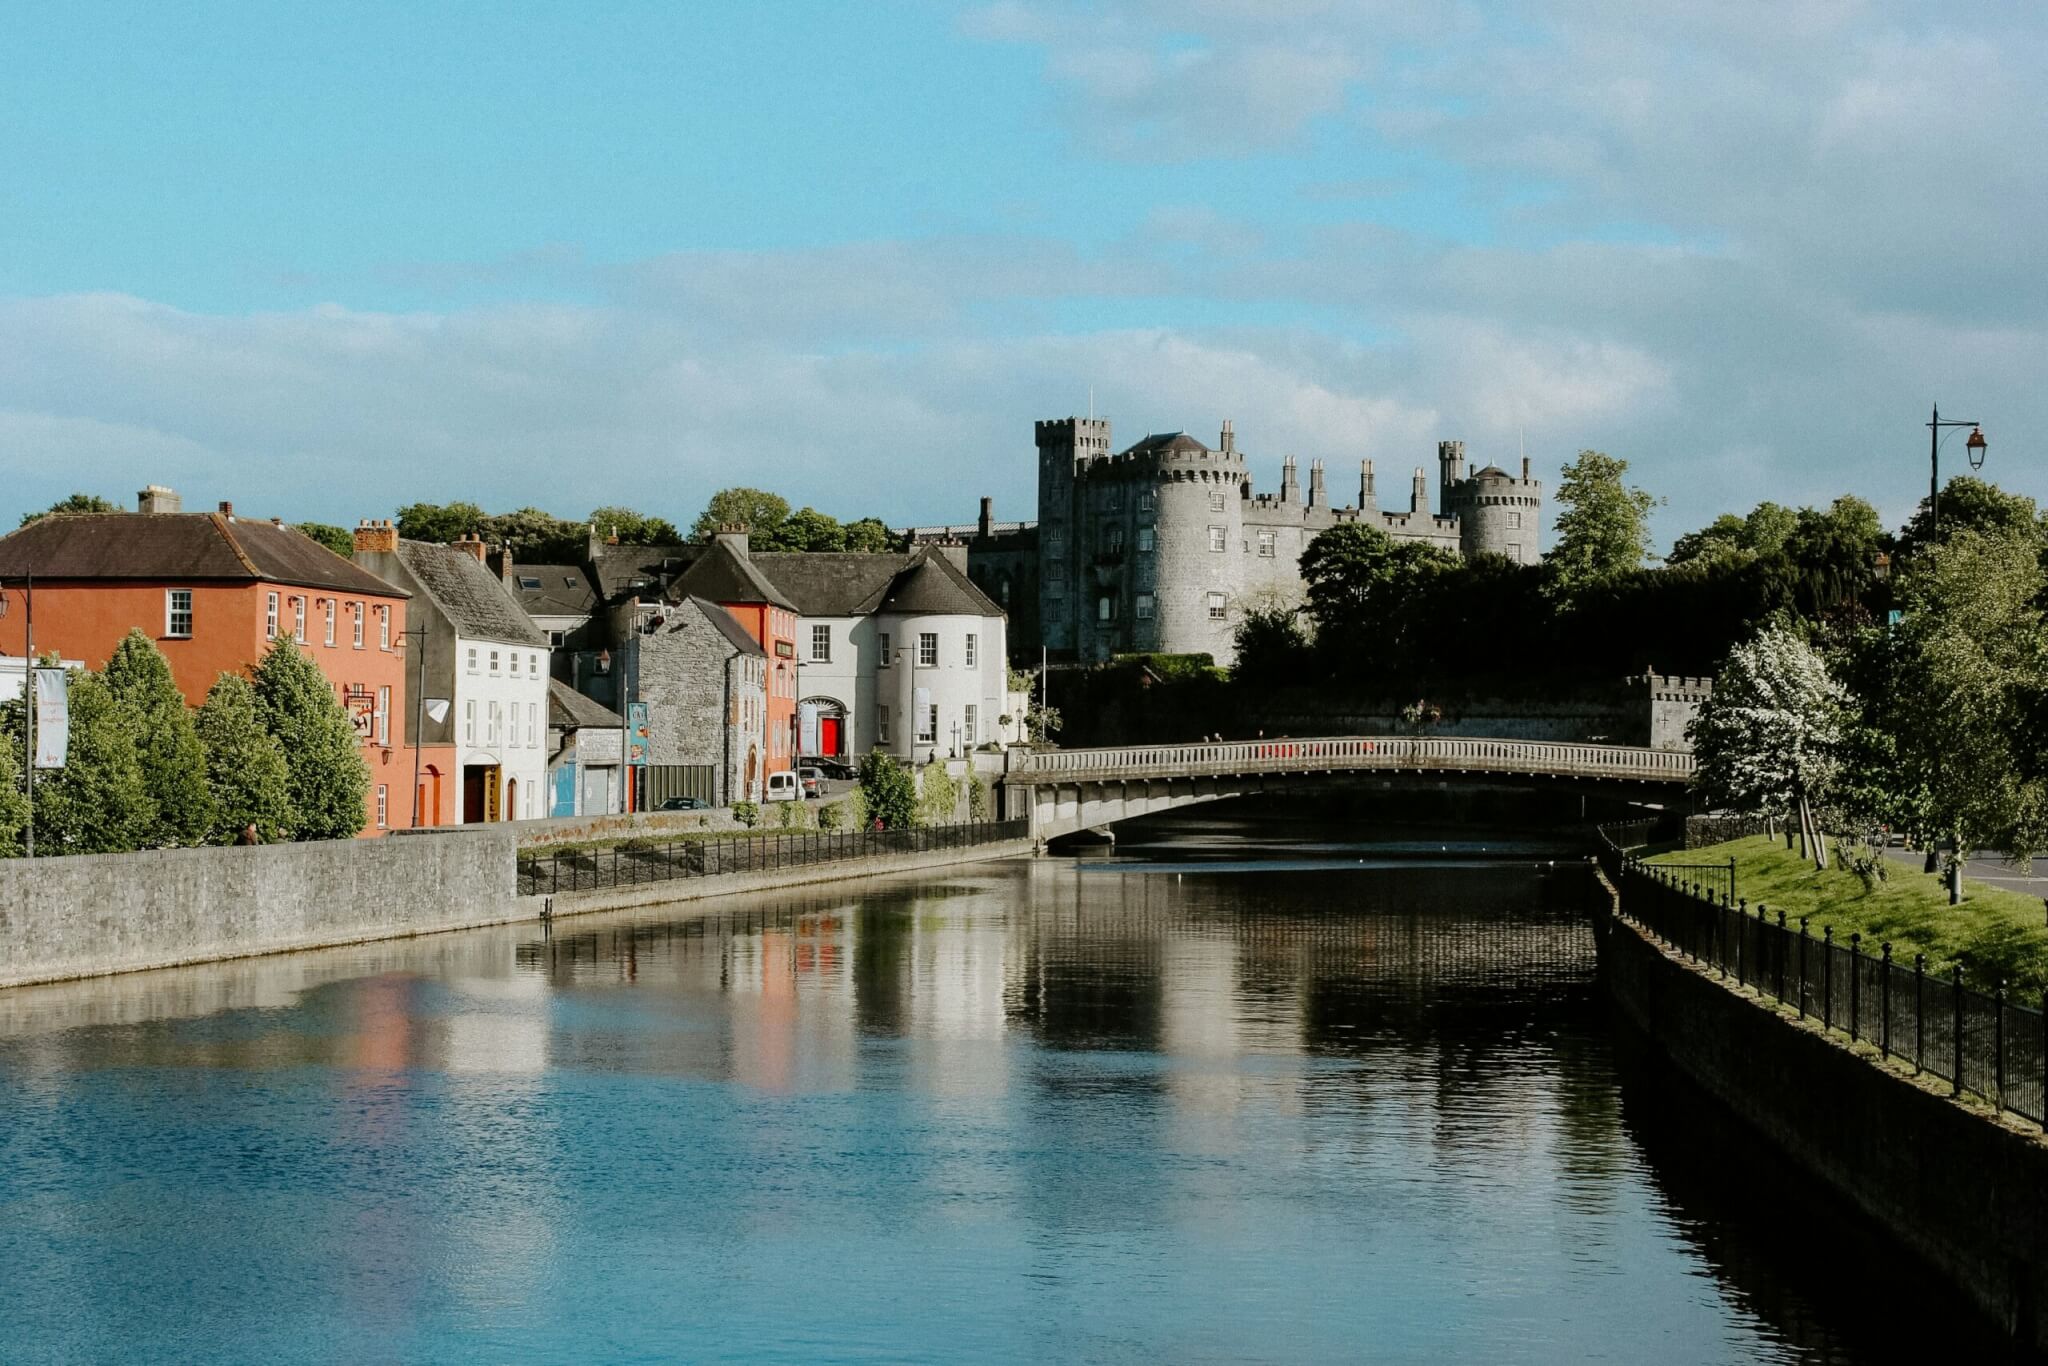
1990, 868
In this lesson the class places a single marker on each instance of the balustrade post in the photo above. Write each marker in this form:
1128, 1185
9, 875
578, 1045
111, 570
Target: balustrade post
1827, 977
1919, 1010
1998, 1047
1956, 991
1884, 1014
1741, 919
1780, 954
1805, 938
1855, 984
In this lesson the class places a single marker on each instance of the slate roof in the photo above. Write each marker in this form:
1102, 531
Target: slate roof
734, 633
931, 586
620, 567
560, 590
571, 710
1167, 441
832, 584
189, 547
722, 574
1491, 472
475, 601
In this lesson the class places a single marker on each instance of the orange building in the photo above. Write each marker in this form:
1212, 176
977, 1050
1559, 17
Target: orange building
213, 590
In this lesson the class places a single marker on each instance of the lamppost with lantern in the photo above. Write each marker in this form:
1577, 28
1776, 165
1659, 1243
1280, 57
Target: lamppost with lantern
1975, 448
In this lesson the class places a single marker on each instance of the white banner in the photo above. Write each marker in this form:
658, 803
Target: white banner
53, 717
807, 727
922, 715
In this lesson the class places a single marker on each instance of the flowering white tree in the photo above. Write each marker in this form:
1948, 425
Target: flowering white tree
1770, 738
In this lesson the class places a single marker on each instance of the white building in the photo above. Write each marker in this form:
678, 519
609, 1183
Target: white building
481, 677
896, 651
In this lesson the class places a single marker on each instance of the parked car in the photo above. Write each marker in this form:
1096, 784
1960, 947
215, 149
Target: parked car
813, 779
684, 804
782, 787
833, 768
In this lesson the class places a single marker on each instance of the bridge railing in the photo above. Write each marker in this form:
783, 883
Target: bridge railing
1291, 755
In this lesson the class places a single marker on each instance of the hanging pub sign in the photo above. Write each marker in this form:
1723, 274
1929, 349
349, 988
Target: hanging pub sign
53, 717
361, 706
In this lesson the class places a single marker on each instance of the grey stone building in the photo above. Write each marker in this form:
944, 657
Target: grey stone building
1164, 545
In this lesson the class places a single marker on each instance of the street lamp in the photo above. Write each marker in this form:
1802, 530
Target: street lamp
1975, 447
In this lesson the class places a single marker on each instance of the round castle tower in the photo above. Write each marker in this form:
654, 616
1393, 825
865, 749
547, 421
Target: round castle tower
1497, 513
1198, 497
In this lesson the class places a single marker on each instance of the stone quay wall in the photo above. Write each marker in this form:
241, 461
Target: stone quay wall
91, 914
1965, 1193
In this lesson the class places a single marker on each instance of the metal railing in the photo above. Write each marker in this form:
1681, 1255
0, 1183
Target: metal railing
1977, 1041
1355, 752
633, 862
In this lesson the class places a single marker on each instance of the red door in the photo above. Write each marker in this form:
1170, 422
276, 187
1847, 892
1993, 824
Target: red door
831, 734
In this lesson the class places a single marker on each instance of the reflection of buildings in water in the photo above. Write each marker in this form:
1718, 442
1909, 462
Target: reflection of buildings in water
789, 1004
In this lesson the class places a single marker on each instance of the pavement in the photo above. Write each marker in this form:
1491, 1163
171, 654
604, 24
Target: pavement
1985, 866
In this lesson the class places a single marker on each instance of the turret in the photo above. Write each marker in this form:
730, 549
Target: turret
1318, 493
1418, 495
1450, 461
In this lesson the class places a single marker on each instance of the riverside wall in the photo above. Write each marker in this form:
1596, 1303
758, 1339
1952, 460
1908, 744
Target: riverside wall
1963, 1191
101, 913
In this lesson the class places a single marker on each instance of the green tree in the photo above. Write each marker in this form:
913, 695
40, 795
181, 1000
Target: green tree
1969, 504
762, 513
1967, 698
537, 537
440, 523
888, 792
1723, 539
340, 540
1272, 648
938, 796
634, 528
1363, 587
1603, 526
13, 802
99, 802
328, 778
1767, 527
246, 771
808, 529
77, 502
870, 536
173, 760
1770, 739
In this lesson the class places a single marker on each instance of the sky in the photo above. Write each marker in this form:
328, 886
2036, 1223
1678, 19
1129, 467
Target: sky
327, 260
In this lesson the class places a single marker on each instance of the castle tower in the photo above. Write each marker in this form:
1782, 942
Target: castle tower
1450, 462
1066, 447
1318, 492
1499, 514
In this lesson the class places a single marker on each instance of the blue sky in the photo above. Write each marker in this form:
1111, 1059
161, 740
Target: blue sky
323, 263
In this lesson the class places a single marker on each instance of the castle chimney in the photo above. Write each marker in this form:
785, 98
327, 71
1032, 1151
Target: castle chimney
1318, 493
986, 526
952, 550
155, 498
1450, 459
1290, 485
734, 535
1368, 495
376, 538
1525, 469
472, 546
1418, 495
1229, 440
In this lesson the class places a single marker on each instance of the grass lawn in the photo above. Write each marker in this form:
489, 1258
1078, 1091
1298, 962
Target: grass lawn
1993, 934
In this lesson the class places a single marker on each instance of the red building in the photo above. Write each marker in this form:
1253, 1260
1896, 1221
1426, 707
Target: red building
723, 574
213, 590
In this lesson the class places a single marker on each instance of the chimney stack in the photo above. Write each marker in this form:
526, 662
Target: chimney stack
1318, 493
1229, 438
155, 498
227, 510
1525, 469
376, 538
499, 562
1290, 484
1418, 495
1368, 496
471, 545
732, 534
986, 527
952, 550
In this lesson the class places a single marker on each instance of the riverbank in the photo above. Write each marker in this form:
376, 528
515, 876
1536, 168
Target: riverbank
1995, 935
1966, 1191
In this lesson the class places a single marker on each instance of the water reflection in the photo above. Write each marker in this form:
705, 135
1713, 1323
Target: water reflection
1162, 1105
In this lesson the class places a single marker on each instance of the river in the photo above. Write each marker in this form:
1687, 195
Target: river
1237, 1092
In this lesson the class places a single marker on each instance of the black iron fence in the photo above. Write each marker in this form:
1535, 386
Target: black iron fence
1976, 1040
649, 860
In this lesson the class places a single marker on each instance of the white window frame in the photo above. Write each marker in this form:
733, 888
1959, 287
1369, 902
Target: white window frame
299, 618
383, 627
882, 724
1269, 544
1216, 503
356, 624
470, 667
1144, 608
928, 725
384, 713
330, 622
821, 644
172, 611
383, 806
972, 655
494, 715
469, 722
1105, 608
1219, 539
1145, 535
1145, 500
1219, 607
270, 617
927, 649
494, 663
967, 714
533, 725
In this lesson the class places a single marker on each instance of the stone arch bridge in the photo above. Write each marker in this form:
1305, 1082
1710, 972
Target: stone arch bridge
1067, 790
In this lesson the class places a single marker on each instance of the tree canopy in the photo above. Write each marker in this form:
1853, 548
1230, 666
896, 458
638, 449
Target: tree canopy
1603, 525
173, 760
246, 773
760, 512
340, 540
77, 502
328, 780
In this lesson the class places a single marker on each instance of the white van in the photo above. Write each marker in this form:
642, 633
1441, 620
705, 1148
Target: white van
782, 787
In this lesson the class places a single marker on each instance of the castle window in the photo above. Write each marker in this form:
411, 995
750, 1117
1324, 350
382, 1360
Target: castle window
1267, 543
1216, 503
1146, 576
1056, 574
1105, 608
1055, 540
1113, 540
1218, 539
1215, 607
1144, 607
1145, 500
1145, 539
1514, 521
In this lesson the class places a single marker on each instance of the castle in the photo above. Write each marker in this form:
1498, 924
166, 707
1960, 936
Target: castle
1164, 546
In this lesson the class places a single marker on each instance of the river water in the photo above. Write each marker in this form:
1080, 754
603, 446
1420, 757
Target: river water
1220, 1096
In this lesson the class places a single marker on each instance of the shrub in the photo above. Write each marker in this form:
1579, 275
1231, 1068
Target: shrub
746, 813
978, 795
888, 791
938, 795
793, 816
829, 816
